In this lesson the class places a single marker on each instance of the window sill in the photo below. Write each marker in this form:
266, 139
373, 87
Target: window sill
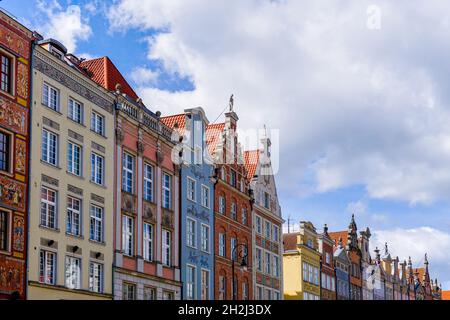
100, 243
51, 109
7, 173
74, 236
49, 229
75, 175
50, 165
98, 185
76, 122
99, 134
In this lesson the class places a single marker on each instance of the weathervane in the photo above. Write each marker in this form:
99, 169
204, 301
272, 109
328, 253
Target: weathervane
231, 102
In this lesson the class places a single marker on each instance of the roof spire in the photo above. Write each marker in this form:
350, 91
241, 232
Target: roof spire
231, 103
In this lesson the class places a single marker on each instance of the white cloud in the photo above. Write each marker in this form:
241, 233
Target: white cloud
66, 25
371, 105
144, 76
358, 208
416, 242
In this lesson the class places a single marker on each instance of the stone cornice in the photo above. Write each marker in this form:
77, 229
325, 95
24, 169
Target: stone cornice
72, 79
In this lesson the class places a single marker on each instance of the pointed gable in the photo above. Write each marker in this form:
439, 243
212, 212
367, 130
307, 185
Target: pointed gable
106, 74
213, 135
251, 159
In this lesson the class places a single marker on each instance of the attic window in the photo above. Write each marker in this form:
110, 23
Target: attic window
56, 53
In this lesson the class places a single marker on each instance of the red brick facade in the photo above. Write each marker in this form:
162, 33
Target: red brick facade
15, 50
327, 291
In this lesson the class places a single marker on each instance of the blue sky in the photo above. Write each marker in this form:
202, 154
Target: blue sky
360, 101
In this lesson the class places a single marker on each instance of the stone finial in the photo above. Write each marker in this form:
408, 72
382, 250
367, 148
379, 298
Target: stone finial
118, 88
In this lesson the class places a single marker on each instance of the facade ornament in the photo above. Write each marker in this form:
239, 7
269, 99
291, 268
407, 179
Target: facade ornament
231, 105
140, 143
159, 154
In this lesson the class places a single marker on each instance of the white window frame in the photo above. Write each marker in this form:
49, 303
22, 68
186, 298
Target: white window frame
206, 196
148, 181
72, 272
47, 98
205, 238
126, 292
73, 215
233, 210
97, 173
258, 224
48, 136
97, 126
73, 107
222, 204
46, 220
191, 232
167, 191
127, 172
259, 259
222, 244
128, 235
222, 288
191, 189
244, 216
267, 229
152, 295
167, 247
205, 286
233, 244
46, 271
96, 277
149, 232
268, 263
275, 233
73, 166
191, 290
96, 223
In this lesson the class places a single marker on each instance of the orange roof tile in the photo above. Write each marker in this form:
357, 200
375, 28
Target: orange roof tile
339, 234
213, 132
446, 295
179, 119
106, 74
290, 241
251, 159
420, 271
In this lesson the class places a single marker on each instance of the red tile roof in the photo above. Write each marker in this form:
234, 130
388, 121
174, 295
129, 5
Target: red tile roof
446, 295
290, 241
213, 132
179, 119
339, 234
251, 159
106, 74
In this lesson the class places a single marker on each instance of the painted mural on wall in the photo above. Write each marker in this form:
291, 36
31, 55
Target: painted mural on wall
11, 274
14, 42
22, 80
13, 116
21, 156
19, 234
12, 193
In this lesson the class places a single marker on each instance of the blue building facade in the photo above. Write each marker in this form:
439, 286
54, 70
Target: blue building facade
342, 267
196, 205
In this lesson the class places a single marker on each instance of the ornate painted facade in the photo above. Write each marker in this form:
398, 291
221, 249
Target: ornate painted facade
327, 266
301, 264
233, 207
197, 204
146, 215
15, 51
267, 225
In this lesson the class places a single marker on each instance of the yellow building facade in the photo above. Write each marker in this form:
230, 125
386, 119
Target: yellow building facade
72, 181
301, 264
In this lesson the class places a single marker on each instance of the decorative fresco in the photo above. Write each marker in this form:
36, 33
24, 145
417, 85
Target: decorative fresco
22, 80
19, 234
21, 156
12, 193
11, 275
13, 116
14, 42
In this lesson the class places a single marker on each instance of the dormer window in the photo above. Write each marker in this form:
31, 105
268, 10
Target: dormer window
56, 53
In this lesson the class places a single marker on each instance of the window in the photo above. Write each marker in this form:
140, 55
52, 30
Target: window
75, 111
73, 273
166, 247
259, 293
222, 244
233, 210
222, 288
74, 159
310, 243
48, 208
267, 229
4, 230
266, 200
191, 185
98, 123
191, 233
168, 295
49, 147
205, 196
258, 225
97, 168
244, 216
268, 263
149, 293
128, 173
233, 246
244, 291
258, 259
73, 216
96, 277
223, 174
96, 224
276, 268
233, 178
148, 182
275, 233
205, 284
276, 295
148, 241
128, 291
190, 282
6, 78
221, 204
268, 294
328, 258
5, 152
166, 191
47, 267
205, 237
305, 272
128, 235
50, 97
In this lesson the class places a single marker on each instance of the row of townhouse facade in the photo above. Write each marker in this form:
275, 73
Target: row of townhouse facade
102, 198
339, 266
